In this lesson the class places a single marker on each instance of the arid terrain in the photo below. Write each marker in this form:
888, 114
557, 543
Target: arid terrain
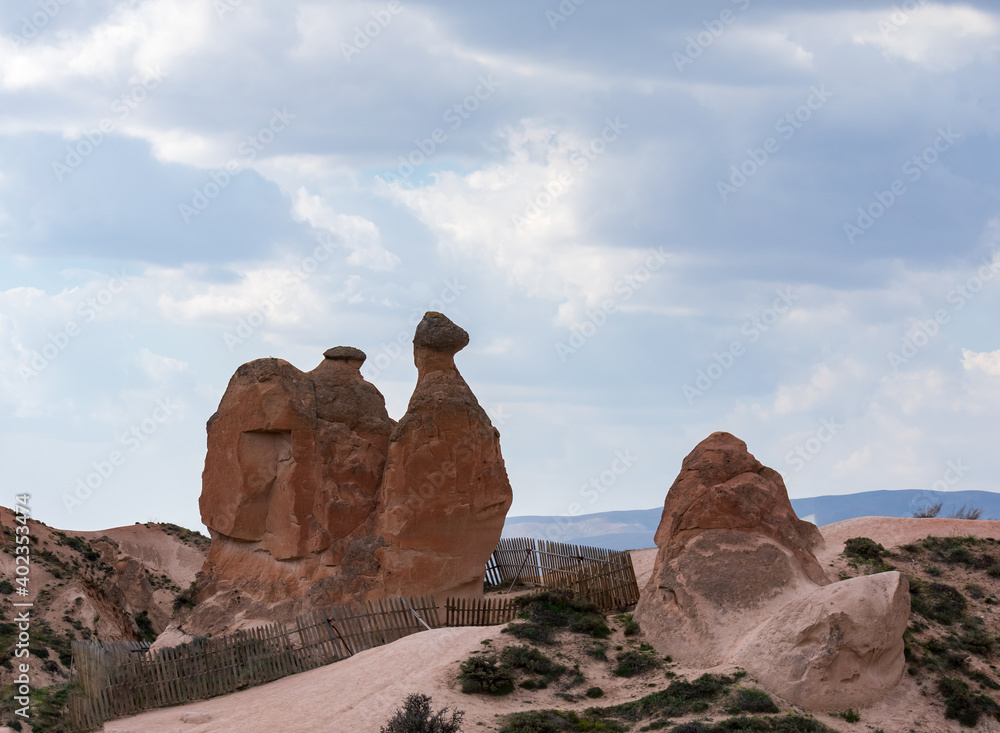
359, 694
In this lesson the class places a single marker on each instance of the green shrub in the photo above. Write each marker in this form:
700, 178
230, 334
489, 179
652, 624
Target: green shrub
530, 660
487, 675
937, 601
415, 717
630, 627
6, 588
530, 631
680, 698
863, 548
558, 721
145, 626
850, 715
633, 662
964, 705
186, 598
594, 692
597, 650
753, 701
534, 684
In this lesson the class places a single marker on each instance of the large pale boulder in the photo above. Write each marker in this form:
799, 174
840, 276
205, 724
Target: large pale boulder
445, 493
731, 552
838, 647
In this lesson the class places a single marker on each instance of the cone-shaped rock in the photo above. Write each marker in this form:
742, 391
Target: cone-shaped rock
731, 551
445, 492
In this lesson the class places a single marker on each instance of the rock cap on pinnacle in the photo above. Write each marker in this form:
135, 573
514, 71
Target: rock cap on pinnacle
345, 353
437, 332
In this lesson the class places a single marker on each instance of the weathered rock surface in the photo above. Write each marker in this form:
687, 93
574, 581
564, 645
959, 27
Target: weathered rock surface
445, 495
736, 581
731, 551
838, 647
292, 472
314, 496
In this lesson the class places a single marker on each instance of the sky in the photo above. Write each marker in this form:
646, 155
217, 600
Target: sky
655, 220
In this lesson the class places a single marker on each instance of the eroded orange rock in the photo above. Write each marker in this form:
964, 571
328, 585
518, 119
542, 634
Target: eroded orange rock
445, 495
314, 496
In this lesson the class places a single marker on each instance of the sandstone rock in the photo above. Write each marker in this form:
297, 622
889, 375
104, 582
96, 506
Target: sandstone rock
292, 473
445, 493
314, 496
731, 552
838, 647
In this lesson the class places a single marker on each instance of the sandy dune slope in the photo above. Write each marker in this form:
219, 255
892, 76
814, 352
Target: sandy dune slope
359, 694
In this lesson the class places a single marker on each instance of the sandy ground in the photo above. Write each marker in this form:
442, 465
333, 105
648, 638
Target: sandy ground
159, 551
359, 694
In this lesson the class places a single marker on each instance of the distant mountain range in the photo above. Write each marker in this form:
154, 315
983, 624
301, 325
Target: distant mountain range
634, 529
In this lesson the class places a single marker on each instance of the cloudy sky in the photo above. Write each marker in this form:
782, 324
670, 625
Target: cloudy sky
656, 220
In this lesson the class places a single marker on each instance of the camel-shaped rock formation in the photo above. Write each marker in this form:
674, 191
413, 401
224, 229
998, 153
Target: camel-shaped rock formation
314, 496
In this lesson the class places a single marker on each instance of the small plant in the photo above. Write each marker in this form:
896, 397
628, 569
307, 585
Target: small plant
850, 715
6, 588
597, 650
863, 548
415, 717
530, 660
928, 512
145, 627
487, 675
630, 627
594, 692
964, 705
753, 701
937, 601
186, 598
632, 663
967, 512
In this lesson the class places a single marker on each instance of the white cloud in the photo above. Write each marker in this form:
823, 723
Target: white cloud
527, 216
359, 235
130, 39
941, 38
987, 361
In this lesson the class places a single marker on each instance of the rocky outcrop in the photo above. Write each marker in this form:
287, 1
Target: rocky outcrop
731, 551
315, 496
736, 581
445, 495
838, 647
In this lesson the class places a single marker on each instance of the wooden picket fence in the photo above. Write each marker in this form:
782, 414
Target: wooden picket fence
488, 611
123, 678
118, 679
603, 576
